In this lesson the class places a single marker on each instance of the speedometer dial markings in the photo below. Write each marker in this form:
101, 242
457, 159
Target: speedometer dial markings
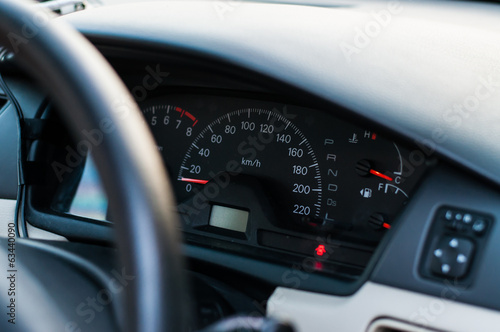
263, 145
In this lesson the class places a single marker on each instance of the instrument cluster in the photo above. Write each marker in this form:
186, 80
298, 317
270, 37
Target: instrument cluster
256, 175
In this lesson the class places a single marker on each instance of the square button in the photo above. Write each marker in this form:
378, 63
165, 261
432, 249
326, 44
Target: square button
452, 256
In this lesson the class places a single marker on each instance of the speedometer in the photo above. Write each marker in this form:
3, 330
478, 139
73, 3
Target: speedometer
266, 146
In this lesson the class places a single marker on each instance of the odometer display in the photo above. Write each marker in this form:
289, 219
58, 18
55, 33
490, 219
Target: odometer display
265, 146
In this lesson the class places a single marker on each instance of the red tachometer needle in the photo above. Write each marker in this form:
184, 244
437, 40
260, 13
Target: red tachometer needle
383, 176
194, 180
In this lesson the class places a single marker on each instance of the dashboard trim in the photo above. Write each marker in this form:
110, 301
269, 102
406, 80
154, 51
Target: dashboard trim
316, 312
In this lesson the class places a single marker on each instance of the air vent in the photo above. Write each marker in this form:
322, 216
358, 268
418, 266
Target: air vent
389, 325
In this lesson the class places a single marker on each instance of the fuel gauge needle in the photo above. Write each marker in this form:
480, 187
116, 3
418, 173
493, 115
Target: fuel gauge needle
194, 180
380, 175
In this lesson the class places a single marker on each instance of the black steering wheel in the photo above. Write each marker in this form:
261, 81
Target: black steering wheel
92, 98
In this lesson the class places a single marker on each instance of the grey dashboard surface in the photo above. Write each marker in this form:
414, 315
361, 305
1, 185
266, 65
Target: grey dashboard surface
426, 70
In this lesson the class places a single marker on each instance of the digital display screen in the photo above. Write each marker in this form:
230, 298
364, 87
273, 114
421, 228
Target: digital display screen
229, 218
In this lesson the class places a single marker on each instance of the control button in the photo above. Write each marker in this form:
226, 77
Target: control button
453, 243
464, 222
479, 226
461, 258
452, 256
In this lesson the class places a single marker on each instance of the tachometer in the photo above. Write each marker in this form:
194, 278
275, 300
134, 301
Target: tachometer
264, 145
163, 118
169, 124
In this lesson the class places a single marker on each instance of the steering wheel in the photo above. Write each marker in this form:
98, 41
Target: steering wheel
93, 99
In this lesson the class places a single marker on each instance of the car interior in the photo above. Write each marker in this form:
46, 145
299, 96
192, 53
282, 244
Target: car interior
249, 166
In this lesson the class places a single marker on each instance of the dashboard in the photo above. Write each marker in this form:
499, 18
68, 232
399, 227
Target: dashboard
326, 187
279, 181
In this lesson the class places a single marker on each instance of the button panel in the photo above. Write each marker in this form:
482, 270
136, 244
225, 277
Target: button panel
470, 224
452, 256
454, 243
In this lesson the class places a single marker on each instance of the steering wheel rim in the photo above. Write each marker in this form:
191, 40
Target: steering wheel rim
94, 100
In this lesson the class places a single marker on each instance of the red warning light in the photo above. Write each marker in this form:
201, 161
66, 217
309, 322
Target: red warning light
374, 136
386, 225
320, 250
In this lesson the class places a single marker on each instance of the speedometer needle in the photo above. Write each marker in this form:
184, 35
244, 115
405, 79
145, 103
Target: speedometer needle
194, 180
380, 175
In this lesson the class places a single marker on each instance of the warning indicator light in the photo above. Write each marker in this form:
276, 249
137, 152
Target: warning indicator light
320, 250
